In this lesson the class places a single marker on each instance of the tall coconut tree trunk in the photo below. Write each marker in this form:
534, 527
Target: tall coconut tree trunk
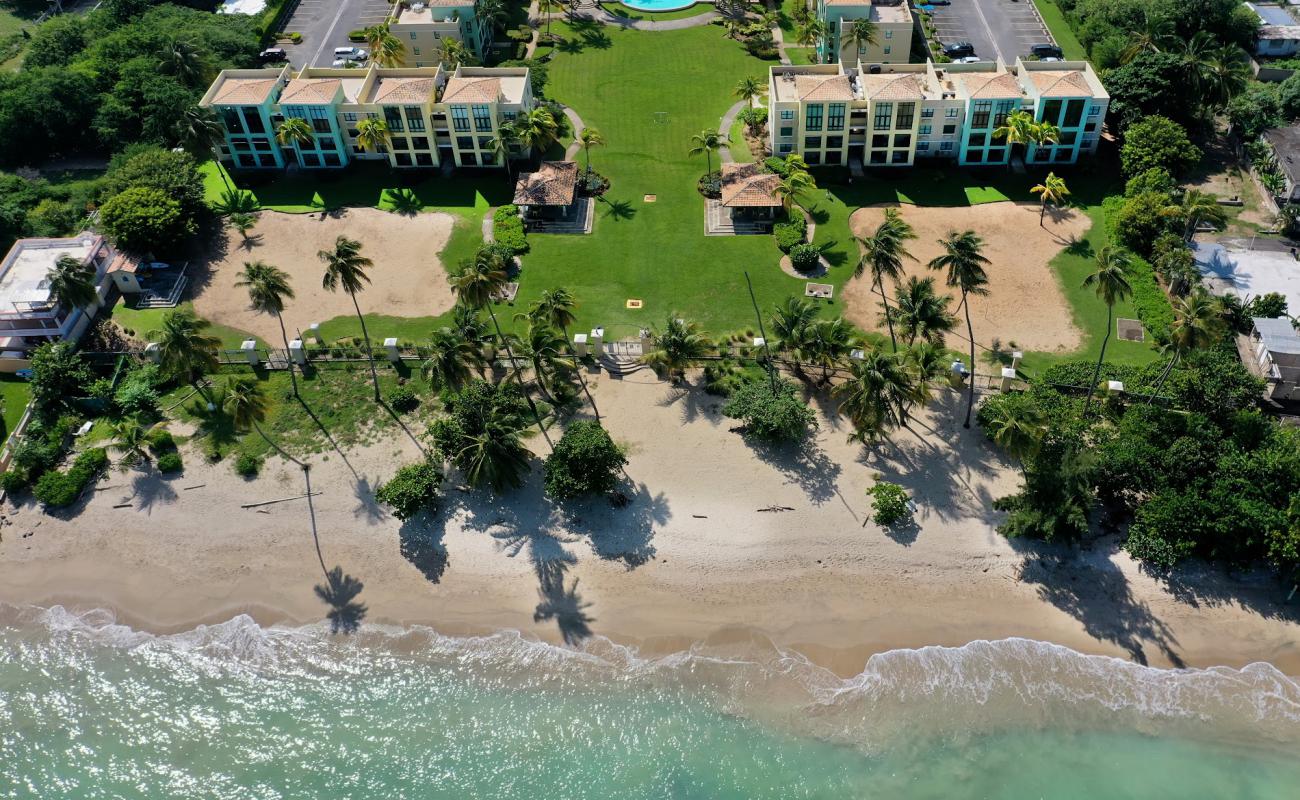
285, 336
1160, 384
889, 319
970, 392
370, 355
582, 378
1096, 373
1042, 211
510, 353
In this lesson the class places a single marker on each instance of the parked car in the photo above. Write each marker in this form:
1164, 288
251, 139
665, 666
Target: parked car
1051, 58
959, 49
350, 54
967, 60
272, 55
1043, 51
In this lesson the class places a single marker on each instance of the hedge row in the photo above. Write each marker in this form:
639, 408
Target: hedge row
58, 489
508, 229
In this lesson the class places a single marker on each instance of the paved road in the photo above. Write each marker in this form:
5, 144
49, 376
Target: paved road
1003, 29
324, 25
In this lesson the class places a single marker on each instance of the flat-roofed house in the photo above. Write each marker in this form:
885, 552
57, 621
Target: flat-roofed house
1275, 351
424, 28
29, 315
893, 27
1069, 95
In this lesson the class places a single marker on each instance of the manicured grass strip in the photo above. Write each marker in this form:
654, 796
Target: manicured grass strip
15, 393
739, 146
144, 320
800, 55
1055, 21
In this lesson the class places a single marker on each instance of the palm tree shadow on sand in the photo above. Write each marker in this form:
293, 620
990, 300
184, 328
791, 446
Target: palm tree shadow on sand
339, 592
561, 603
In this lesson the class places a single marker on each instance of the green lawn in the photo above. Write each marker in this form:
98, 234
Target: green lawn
801, 55
739, 146
786, 14
14, 394
1055, 21
145, 320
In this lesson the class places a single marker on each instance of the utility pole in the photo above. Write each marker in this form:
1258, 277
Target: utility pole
767, 351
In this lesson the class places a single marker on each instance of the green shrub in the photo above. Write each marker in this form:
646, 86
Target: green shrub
13, 481
888, 503
248, 465
403, 399
508, 229
779, 417
412, 489
357, 35
170, 462
58, 489
805, 257
584, 461
791, 233
776, 164
161, 441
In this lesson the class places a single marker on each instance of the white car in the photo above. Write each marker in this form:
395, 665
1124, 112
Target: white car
967, 60
340, 63
350, 54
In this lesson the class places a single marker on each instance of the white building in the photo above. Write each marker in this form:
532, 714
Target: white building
1275, 356
28, 315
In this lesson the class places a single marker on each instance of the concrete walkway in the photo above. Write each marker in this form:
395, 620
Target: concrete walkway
578, 126
728, 118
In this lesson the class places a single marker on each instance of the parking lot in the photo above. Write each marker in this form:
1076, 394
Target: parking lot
324, 25
1003, 29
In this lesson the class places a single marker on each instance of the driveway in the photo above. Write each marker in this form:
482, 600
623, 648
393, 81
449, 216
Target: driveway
324, 25
1003, 29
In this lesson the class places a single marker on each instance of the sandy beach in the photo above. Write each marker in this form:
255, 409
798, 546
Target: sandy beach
722, 539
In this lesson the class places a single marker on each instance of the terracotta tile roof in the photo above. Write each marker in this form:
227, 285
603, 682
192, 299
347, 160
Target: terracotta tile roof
990, 85
472, 90
124, 263
244, 91
404, 90
891, 87
310, 90
1061, 83
823, 87
553, 184
747, 185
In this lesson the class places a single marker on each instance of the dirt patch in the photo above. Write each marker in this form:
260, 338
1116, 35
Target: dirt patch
407, 279
1025, 304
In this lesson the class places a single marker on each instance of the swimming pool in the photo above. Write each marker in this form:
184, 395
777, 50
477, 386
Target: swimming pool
658, 5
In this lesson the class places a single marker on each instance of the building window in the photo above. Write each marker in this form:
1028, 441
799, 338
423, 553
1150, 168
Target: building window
927, 113
415, 51
884, 116
887, 48
414, 119
393, 117
1051, 111
1003, 110
889, 34
464, 142
460, 118
482, 118
835, 117
253, 120
350, 116
485, 142
489, 159
906, 115
834, 142
812, 142
903, 140
232, 119
945, 146
982, 111
785, 148
469, 159
813, 158
1094, 111
924, 130
951, 113
880, 140
787, 113
949, 130
813, 120
787, 131
399, 143
977, 140
1073, 113
402, 160
423, 160
900, 156
833, 157
413, 36
879, 156
319, 119
419, 143
922, 147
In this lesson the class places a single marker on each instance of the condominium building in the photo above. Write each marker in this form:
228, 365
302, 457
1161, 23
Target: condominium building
893, 114
425, 27
893, 28
28, 313
432, 117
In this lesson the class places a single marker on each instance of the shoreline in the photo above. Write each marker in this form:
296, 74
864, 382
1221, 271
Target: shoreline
693, 558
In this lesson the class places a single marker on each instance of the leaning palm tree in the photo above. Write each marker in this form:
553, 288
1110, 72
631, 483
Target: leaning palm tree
677, 347
876, 395
72, 284
555, 307
828, 343
1152, 37
1017, 129
1017, 429
295, 131
268, 288
502, 147
386, 49
200, 133
963, 260
883, 254
861, 33
1052, 190
794, 185
477, 283
346, 267
373, 134
1109, 279
748, 88
1198, 323
185, 350
453, 360
542, 348
536, 129
244, 401
707, 142
1198, 208
922, 311
589, 138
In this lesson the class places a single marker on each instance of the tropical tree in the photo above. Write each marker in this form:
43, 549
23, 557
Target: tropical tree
963, 263
386, 49
72, 284
1223, 75
184, 60
555, 307
810, 32
453, 359
1052, 190
876, 395
1109, 279
130, 438
1198, 323
542, 347
707, 142
828, 343
748, 88
922, 311
268, 288
1197, 207
199, 133
237, 201
883, 254
455, 52
548, 7
1019, 128
536, 129
345, 267
372, 134
243, 222
244, 401
928, 362
862, 33
1273, 182
677, 347
1017, 428
295, 131
589, 138
1154, 35
491, 12
185, 349
790, 323
502, 143
476, 283
795, 184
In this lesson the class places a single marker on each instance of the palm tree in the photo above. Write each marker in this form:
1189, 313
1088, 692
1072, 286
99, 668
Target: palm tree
453, 359
346, 267
243, 222
295, 131
130, 438
811, 33
679, 346
536, 129
243, 399
883, 254
706, 142
455, 52
1224, 75
790, 323
547, 7
237, 201
1155, 32
184, 60
1110, 280
268, 288
72, 284
1017, 429
1017, 128
749, 88
876, 395
476, 284
501, 143
496, 455
921, 311
1198, 207
543, 348
828, 342
1197, 57
555, 307
185, 349
928, 362
589, 138
372, 134
964, 261
386, 49
199, 134
792, 186
1052, 190
861, 32
1198, 323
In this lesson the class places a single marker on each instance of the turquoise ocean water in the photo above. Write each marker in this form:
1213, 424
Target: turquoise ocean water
89, 709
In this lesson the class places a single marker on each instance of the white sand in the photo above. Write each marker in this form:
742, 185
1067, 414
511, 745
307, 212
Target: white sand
691, 557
